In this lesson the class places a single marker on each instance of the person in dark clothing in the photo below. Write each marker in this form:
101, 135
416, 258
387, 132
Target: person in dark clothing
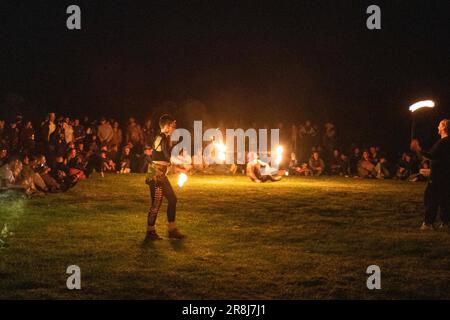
406, 167
60, 145
76, 166
79, 133
12, 137
61, 173
2, 132
145, 160
336, 164
159, 183
3, 155
353, 161
108, 164
27, 141
90, 159
126, 160
148, 133
437, 192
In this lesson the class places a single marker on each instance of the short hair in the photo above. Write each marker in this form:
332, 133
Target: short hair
446, 123
165, 120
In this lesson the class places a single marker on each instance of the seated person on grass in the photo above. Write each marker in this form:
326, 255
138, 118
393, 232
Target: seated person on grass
316, 164
259, 171
336, 164
424, 172
11, 178
125, 160
41, 167
366, 169
406, 167
107, 164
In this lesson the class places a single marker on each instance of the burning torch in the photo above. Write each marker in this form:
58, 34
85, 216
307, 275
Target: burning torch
416, 106
279, 155
221, 151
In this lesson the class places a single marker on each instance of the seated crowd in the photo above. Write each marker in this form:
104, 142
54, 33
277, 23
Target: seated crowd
366, 164
62, 151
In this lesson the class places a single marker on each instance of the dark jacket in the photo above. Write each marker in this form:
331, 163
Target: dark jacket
439, 156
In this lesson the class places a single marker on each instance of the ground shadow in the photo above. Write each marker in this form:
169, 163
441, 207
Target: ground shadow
178, 245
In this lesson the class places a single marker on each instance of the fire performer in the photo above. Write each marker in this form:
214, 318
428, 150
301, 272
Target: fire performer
253, 170
437, 192
159, 183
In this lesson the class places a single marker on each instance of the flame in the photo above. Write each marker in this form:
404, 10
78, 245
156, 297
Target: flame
421, 104
221, 148
182, 178
279, 152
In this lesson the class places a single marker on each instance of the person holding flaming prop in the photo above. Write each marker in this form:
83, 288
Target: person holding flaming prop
437, 192
256, 168
159, 183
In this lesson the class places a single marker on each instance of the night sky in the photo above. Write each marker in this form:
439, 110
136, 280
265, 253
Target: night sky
259, 61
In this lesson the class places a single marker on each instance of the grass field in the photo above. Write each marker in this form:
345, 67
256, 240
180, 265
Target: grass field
301, 238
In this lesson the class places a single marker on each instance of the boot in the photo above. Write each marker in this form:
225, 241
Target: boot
174, 233
152, 235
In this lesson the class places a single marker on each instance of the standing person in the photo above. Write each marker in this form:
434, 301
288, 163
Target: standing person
148, 133
133, 132
105, 132
68, 130
293, 139
159, 183
12, 137
437, 192
117, 135
48, 127
78, 131
2, 132
329, 140
27, 138
307, 134
90, 130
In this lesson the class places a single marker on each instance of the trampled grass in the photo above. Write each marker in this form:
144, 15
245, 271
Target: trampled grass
301, 238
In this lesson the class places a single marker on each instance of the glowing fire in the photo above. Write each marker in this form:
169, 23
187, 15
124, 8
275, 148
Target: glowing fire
279, 152
421, 104
221, 151
182, 178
